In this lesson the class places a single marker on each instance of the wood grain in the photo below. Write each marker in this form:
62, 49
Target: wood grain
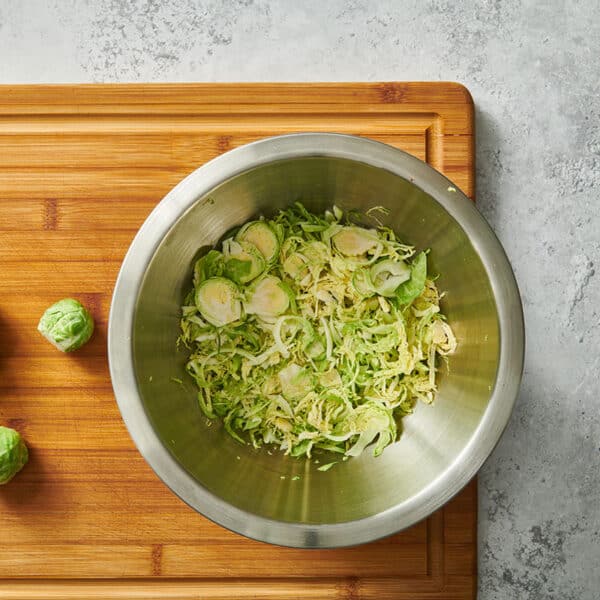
81, 167
60, 213
137, 150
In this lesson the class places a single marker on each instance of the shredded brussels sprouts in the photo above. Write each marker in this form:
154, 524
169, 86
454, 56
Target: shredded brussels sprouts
311, 332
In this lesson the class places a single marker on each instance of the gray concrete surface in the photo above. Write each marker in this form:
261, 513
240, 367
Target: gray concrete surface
533, 70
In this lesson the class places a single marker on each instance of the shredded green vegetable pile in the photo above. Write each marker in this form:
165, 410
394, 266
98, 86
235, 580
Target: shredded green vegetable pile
310, 332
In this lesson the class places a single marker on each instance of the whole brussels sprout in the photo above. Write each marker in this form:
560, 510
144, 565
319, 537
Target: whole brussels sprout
67, 325
13, 454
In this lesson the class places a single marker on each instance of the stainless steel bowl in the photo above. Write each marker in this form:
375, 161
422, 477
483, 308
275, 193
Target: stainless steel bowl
253, 492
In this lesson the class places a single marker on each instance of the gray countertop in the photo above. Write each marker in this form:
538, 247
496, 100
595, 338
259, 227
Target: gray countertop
533, 70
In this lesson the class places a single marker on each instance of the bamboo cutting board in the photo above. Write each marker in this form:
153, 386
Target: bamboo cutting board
80, 169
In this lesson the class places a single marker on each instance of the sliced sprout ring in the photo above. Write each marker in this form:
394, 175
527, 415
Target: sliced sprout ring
387, 275
218, 300
313, 333
243, 261
268, 297
263, 237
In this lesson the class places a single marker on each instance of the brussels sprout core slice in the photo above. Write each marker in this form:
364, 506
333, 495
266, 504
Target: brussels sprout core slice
296, 266
262, 236
355, 241
295, 381
361, 282
387, 275
268, 297
218, 301
243, 261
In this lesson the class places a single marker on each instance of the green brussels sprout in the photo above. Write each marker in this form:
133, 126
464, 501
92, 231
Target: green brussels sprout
67, 325
13, 454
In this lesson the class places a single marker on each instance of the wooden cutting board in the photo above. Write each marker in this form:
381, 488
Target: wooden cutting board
80, 169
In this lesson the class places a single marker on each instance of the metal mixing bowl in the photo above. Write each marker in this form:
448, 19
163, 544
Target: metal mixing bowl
251, 491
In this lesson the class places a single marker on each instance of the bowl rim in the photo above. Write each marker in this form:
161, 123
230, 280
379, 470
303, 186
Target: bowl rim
302, 145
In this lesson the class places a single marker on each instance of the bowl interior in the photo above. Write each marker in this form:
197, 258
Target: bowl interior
260, 482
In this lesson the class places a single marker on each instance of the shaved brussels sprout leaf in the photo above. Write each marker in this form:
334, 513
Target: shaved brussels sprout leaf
413, 288
326, 467
209, 265
296, 382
